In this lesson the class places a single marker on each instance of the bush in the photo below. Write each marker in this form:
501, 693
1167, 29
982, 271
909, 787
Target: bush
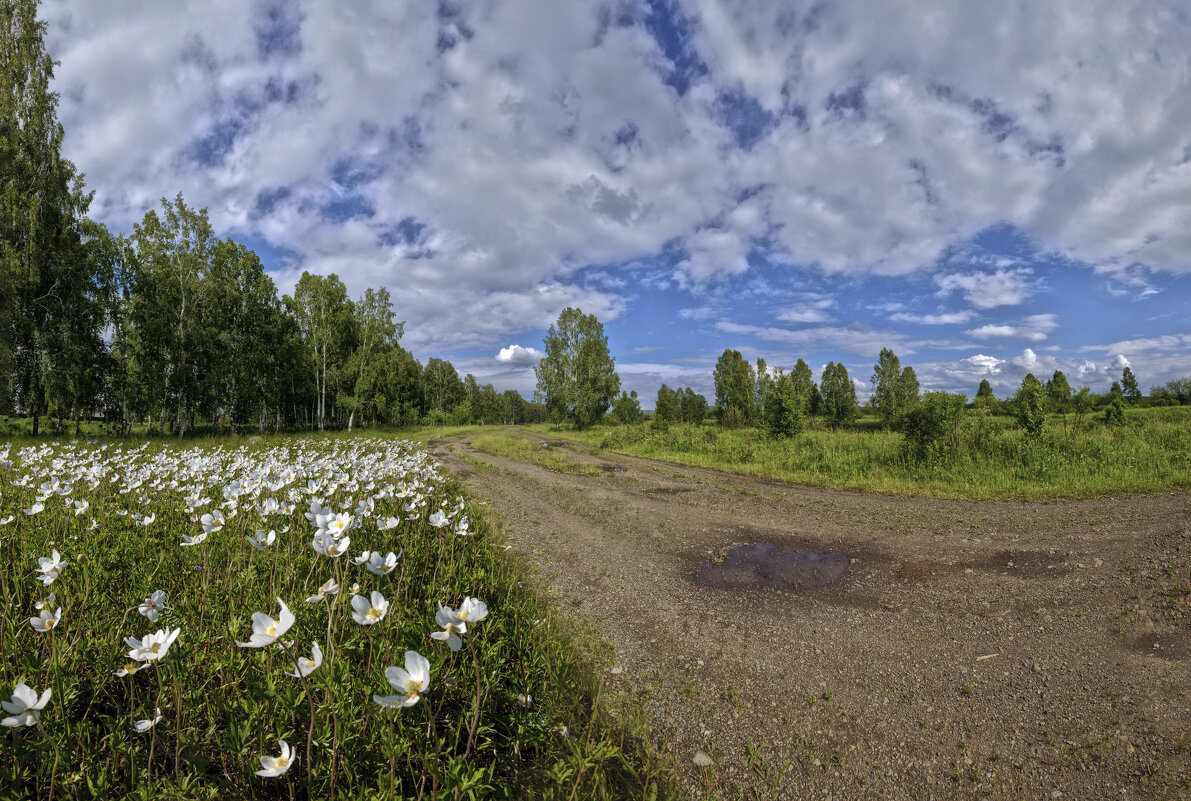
932, 427
733, 417
1114, 413
783, 408
1028, 406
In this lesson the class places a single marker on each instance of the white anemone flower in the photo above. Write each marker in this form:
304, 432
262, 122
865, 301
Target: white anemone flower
473, 610
387, 523
132, 667
152, 605
266, 630
142, 726
46, 604
411, 682
363, 558
24, 707
438, 519
50, 567
308, 666
4, 521
195, 540
327, 545
452, 628
366, 613
45, 622
80, 507
153, 646
382, 565
34, 509
338, 525
212, 522
148, 521
330, 588
260, 540
273, 767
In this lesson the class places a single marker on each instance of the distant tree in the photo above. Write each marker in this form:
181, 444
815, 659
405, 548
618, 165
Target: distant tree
1028, 405
764, 385
734, 388
1129, 386
694, 407
1081, 404
1058, 392
627, 408
668, 407
783, 411
907, 390
932, 426
985, 390
839, 394
1115, 390
887, 398
1114, 412
443, 388
804, 385
577, 376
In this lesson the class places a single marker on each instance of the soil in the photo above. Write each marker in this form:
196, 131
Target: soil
972, 649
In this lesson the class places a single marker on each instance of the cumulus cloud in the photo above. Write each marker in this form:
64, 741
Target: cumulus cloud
519, 356
1034, 328
428, 147
988, 290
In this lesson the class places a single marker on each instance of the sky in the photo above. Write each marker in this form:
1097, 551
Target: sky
988, 189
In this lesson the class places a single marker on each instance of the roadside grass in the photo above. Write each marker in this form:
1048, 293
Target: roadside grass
516, 446
223, 707
994, 458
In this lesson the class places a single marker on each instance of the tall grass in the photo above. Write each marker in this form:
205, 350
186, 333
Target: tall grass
994, 459
511, 445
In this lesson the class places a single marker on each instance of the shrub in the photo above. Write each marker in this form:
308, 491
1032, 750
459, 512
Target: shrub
1028, 406
783, 408
1114, 413
932, 426
733, 417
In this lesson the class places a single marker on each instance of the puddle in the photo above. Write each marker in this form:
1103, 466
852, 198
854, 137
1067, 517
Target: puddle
763, 564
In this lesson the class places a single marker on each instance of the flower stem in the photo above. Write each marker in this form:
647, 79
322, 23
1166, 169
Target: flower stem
310, 728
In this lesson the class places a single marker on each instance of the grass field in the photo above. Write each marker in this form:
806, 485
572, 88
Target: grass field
1151, 453
513, 713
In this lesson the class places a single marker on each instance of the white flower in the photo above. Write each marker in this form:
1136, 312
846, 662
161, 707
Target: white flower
131, 668
438, 519
147, 521
382, 565
525, 699
337, 525
327, 545
34, 509
47, 603
152, 605
212, 522
308, 666
363, 558
473, 610
452, 628
80, 507
410, 683
195, 540
50, 567
4, 521
388, 523
261, 540
142, 726
45, 622
153, 647
330, 588
266, 630
24, 707
275, 766
366, 613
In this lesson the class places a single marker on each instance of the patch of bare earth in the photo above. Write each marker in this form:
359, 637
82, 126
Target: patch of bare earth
971, 650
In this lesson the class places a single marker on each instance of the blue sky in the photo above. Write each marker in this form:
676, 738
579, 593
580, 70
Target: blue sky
989, 189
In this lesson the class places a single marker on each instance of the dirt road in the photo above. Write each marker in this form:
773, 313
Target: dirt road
971, 650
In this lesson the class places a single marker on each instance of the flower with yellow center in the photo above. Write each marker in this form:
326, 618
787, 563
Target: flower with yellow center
411, 682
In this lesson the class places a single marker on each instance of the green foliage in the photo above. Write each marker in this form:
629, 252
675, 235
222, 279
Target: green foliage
1028, 405
577, 376
804, 385
627, 408
1058, 392
839, 395
735, 389
784, 407
1114, 413
932, 426
894, 389
1129, 386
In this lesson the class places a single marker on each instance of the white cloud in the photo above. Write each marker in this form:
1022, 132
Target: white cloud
988, 290
517, 355
943, 318
531, 139
1034, 328
984, 365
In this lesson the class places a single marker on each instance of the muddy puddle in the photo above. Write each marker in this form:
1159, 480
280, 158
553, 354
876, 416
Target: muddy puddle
765, 565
